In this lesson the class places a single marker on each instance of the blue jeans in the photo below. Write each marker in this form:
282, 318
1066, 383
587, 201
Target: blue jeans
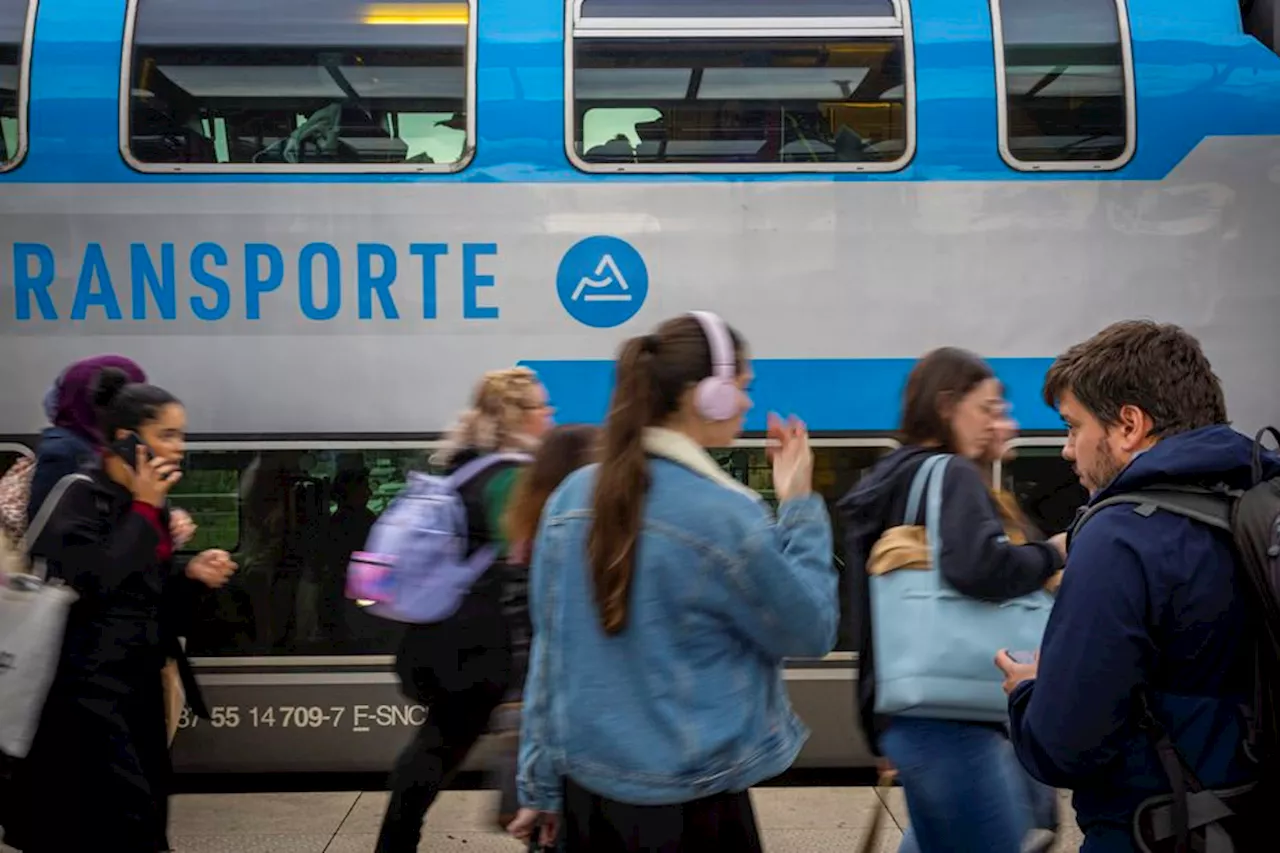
965, 791
1044, 812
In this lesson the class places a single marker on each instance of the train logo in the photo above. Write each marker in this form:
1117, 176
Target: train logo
602, 282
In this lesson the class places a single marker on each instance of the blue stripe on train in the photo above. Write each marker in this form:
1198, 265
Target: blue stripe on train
845, 395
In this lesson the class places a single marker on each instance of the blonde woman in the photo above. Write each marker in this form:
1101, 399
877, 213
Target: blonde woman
460, 668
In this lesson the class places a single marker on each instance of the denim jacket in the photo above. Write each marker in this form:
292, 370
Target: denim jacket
688, 700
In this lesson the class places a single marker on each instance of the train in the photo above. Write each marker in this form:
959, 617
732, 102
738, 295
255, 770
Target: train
318, 221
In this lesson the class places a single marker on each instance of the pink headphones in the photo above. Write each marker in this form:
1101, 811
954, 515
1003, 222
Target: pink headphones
717, 395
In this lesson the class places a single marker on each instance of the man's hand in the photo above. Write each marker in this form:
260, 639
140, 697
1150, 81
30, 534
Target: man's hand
1015, 673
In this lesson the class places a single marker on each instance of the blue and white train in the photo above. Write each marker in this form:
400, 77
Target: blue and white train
319, 220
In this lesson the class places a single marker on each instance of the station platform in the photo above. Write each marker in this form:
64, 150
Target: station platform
792, 820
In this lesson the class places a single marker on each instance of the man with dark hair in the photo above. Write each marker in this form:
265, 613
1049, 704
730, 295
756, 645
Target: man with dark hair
1150, 614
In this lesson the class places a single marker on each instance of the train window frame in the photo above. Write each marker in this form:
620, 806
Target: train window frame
215, 662
761, 27
17, 447
997, 467
886, 443
25, 53
1002, 102
468, 151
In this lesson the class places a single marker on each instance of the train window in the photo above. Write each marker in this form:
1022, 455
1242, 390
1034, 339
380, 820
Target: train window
739, 86
1045, 486
17, 21
1261, 19
1064, 79
835, 471
299, 85
210, 492
10, 454
291, 519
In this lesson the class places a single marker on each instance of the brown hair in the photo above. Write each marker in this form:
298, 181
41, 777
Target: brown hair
1157, 367
938, 381
1014, 520
653, 373
564, 450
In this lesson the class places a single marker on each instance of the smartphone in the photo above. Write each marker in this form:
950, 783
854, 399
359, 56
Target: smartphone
1023, 657
127, 449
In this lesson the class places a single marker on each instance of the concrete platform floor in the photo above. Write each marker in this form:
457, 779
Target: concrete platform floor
792, 820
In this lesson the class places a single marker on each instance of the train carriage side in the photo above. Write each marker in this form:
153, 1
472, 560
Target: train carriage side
319, 221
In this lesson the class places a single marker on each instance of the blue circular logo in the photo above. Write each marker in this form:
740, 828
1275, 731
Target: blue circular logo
602, 282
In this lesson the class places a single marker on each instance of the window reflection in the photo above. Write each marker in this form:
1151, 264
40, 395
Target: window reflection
737, 8
1046, 487
299, 82
835, 471
292, 518
1065, 80
739, 101
8, 458
13, 25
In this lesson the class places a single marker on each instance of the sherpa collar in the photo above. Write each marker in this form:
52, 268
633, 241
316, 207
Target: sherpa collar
684, 451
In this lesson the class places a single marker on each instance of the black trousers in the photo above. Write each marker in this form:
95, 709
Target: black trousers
460, 670
98, 772
724, 823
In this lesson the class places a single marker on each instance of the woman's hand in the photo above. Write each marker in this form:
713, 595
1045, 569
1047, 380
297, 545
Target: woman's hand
527, 820
792, 458
181, 527
213, 568
153, 478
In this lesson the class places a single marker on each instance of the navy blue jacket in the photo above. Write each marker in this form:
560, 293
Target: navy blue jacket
978, 560
59, 453
1146, 602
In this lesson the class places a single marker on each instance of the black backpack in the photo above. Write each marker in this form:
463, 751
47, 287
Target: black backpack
1192, 818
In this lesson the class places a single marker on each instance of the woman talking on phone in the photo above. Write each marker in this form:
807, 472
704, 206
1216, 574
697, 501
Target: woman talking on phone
99, 771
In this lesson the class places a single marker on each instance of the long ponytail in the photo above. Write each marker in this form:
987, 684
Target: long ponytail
622, 483
653, 374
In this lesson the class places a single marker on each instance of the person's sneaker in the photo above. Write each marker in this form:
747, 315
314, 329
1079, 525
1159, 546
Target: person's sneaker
1039, 841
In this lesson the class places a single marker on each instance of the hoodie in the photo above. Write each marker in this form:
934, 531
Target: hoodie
59, 453
1151, 604
978, 559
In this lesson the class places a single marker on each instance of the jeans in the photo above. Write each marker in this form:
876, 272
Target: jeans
965, 790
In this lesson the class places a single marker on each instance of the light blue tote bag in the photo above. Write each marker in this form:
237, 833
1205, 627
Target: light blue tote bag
935, 647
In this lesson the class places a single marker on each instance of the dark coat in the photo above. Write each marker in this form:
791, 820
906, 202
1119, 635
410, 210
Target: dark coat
1148, 604
59, 453
99, 769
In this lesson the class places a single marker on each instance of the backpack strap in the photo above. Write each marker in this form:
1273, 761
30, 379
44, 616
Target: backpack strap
1258, 450
1182, 779
1191, 807
1207, 506
489, 552
475, 467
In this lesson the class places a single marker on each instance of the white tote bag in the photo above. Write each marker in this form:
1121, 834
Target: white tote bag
33, 620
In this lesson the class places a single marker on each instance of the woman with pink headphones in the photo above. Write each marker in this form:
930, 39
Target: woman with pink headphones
664, 597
